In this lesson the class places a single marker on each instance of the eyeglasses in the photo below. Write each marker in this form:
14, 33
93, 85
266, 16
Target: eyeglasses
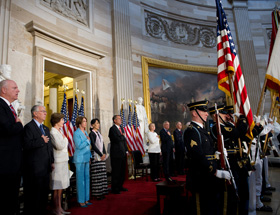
43, 111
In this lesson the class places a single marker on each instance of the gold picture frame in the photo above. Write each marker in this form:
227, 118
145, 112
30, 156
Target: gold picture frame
150, 62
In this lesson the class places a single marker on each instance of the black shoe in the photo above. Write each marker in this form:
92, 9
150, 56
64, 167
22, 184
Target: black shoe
265, 208
170, 180
116, 192
155, 180
270, 188
124, 189
267, 193
265, 199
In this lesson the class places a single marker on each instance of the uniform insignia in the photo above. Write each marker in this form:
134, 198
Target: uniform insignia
228, 129
193, 143
210, 168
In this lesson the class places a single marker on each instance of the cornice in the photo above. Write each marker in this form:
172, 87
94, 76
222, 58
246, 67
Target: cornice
38, 30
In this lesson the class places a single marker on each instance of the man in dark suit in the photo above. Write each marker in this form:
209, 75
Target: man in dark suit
11, 130
179, 148
38, 162
167, 149
118, 153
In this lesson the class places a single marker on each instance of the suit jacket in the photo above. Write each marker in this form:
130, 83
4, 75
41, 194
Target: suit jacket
118, 142
166, 141
178, 139
11, 140
82, 152
60, 146
37, 155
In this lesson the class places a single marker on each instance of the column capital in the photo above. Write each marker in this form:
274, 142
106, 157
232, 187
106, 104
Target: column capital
53, 82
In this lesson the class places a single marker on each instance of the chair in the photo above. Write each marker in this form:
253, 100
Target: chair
138, 164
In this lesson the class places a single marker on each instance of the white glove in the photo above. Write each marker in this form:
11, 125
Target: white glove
225, 152
257, 119
223, 174
217, 153
237, 115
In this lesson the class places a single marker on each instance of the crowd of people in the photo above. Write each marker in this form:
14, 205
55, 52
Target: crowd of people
40, 157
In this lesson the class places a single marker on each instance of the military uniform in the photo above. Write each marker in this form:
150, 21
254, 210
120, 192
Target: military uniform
201, 180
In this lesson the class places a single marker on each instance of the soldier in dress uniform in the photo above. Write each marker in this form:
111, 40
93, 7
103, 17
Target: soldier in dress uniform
230, 134
203, 177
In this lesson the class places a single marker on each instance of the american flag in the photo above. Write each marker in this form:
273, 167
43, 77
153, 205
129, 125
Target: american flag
228, 62
72, 128
82, 109
64, 111
137, 133
129, 132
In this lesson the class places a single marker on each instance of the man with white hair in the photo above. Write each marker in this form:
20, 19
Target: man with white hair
11, 130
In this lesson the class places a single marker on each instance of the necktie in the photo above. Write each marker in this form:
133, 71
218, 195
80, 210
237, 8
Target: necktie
120, 130
14, 112
42, 129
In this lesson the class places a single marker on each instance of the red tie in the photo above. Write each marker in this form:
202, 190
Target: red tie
14, 112
120, 130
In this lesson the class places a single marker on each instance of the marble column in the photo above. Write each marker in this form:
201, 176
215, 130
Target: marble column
53, 84
4, 30
123, 70
246, 52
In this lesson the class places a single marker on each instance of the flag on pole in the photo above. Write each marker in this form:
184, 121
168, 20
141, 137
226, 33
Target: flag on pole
228, 62
64, 111
272, 74
273, 70
82, 109
129, 133
137, 133
72, 128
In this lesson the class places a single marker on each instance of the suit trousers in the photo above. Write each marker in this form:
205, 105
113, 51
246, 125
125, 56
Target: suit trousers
9, 186
82, 182
167, 159
180, 160
36, 191
154, 163
118, 173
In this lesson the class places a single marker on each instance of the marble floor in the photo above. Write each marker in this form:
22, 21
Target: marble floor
274, 179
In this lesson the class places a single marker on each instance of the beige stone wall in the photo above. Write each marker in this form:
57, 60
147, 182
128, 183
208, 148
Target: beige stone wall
195, 14
97, 38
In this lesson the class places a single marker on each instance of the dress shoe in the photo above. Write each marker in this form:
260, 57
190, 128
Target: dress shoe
265, 199
65, 212
271, 188
155, 180
159, 179
267, 193
124, 189
265, 208
88, 203
83, 206
116, 192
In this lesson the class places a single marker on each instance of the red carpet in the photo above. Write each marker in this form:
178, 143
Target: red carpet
140, 199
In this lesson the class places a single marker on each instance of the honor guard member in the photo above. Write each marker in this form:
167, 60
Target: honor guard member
203, 176
229, 133
243, 160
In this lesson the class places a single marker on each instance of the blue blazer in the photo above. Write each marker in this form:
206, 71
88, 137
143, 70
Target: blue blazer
82, 152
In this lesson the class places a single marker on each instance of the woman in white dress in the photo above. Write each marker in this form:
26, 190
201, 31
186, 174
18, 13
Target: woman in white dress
154, 152
61, 174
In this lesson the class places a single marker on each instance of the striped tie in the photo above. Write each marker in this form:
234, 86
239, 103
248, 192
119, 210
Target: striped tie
14, 112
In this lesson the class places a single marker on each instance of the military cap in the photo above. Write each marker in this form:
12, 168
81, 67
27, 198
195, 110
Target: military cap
220, 108
201, 105
229, 109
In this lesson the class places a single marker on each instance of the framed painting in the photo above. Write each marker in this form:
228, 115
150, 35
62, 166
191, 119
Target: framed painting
169, 87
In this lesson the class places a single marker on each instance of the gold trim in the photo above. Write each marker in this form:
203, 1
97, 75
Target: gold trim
150, 62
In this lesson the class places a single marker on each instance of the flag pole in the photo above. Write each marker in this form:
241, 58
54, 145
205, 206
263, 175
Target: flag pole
261, 98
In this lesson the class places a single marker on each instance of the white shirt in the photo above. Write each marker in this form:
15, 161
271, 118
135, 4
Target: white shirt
154, 146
